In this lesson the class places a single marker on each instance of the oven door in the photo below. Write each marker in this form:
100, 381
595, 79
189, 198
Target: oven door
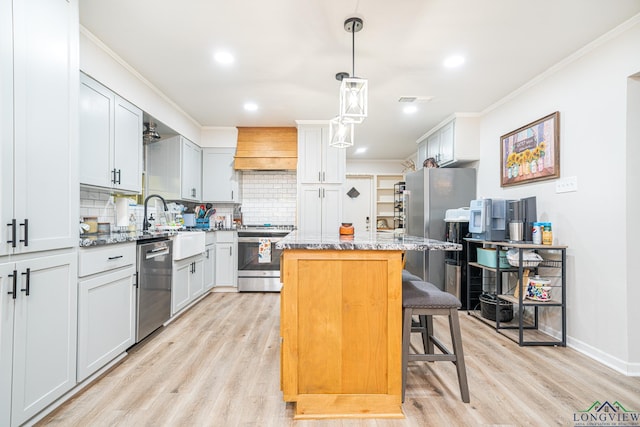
258, 264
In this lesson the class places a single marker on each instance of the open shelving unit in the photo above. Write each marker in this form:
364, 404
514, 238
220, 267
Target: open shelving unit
385, 200
524, 327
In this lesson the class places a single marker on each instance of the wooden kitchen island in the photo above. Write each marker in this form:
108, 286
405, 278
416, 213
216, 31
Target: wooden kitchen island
341, 323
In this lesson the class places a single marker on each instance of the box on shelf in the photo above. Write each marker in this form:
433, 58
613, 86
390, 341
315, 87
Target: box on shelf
487, 257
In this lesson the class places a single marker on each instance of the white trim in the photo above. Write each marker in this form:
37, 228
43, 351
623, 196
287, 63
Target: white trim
628, 369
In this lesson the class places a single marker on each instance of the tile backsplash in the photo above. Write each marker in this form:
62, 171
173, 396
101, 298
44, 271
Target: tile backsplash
269, 197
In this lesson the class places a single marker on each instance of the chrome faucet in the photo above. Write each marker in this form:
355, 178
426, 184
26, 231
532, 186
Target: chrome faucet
145, 221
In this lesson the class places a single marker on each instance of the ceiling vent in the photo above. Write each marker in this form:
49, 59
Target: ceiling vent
410, 99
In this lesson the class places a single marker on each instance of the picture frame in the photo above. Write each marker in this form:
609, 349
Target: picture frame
531, 153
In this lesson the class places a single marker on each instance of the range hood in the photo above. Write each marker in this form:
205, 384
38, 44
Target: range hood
267, 148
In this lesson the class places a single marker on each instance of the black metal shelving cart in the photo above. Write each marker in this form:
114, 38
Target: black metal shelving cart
399, 207
522, 324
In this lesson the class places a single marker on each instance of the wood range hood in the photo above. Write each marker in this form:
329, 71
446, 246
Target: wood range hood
267, 148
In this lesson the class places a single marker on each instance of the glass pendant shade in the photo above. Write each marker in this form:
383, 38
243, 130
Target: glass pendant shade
353, 99
340, 133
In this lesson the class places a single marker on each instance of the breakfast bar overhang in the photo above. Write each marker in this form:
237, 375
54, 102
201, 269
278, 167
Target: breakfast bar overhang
341, 323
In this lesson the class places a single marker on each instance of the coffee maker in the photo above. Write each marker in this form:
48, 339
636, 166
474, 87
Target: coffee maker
523, 212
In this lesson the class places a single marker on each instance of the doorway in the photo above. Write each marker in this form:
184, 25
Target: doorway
357, 204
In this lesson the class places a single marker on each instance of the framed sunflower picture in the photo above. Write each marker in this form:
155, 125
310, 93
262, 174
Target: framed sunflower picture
531, 153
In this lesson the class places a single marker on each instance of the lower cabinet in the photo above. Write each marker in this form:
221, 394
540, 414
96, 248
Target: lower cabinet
106, 319
188, 282
38, 315
226, 259
209, 266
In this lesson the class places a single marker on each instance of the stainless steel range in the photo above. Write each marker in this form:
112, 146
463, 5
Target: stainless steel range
258, 258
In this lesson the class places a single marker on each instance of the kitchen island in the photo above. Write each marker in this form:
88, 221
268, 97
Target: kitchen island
341, 323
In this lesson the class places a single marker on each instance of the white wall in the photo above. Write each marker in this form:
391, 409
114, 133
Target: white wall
101, 63
219, 137
374, 166
589, 90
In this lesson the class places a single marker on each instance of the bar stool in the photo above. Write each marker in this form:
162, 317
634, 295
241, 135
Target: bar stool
425, 299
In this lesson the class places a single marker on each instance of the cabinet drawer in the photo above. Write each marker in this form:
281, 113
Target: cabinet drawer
225, 236
96, 260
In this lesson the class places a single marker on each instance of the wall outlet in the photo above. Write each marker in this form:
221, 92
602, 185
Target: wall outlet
566, 185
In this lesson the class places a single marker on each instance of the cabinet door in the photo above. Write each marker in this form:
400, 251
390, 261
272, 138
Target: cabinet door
333, 161
219, 178
96, 133
44, 354
196, 283
163, 168
446, 144
127, 151
6, 338
191, 171
422, 154
6, 130
331, 209
309, 209
433, 146
310, 155
209, 266
225, 265
106, 319
46, 123
180, 285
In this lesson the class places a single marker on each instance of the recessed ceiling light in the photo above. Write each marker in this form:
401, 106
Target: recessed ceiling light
224, 58
454, 61
360, 150
250, 106
410, 109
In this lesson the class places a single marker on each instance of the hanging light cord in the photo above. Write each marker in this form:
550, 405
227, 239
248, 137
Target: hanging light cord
353, 50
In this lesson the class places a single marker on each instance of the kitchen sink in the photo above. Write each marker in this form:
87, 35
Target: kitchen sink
188, 243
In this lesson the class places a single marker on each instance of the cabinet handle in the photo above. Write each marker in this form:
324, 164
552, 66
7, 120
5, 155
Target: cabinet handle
324, 176
230, 253
323, 193
231, 194
15, 284
28, 282
119, 177
193, 192
319, 193
113, 176
25, 224
136, 280
12, 224
319, 177
114, 257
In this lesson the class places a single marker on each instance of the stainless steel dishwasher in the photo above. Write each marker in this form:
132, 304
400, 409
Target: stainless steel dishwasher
154, 258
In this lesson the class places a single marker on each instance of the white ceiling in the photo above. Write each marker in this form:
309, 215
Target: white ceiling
288, 52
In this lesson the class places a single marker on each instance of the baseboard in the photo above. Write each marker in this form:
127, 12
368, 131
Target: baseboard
625, 368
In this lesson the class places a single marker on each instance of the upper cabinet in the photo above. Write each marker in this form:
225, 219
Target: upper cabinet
38, 125
456, 140
220, 181
110, 138
317, 162
174, 169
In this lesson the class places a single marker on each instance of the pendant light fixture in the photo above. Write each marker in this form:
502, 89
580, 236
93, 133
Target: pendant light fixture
353, 97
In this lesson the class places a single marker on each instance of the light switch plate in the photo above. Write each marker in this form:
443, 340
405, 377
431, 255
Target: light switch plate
566, 185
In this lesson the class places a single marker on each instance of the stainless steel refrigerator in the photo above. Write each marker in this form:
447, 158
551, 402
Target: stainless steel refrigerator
429, 193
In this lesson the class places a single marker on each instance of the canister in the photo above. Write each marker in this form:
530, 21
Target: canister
547, 234
536, 233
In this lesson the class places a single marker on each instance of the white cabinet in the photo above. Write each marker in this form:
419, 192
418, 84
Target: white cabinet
106, 305
226, 273
220, 181
209, 260
174, 169
319, 209
317, 162
188, 282
321, 175
38, 125
37, 334
110, 138
455, 140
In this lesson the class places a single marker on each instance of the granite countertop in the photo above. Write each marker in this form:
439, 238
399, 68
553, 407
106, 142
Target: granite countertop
370, 241
99, 239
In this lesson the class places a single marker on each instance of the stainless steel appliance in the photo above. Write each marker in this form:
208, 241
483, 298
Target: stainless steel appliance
429, 193
524, 211
154, 285
258, 258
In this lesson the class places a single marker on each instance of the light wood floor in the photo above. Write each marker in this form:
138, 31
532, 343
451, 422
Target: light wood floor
218, 365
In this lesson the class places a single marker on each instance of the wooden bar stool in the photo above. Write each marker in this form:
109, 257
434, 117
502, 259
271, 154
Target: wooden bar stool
424, 299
